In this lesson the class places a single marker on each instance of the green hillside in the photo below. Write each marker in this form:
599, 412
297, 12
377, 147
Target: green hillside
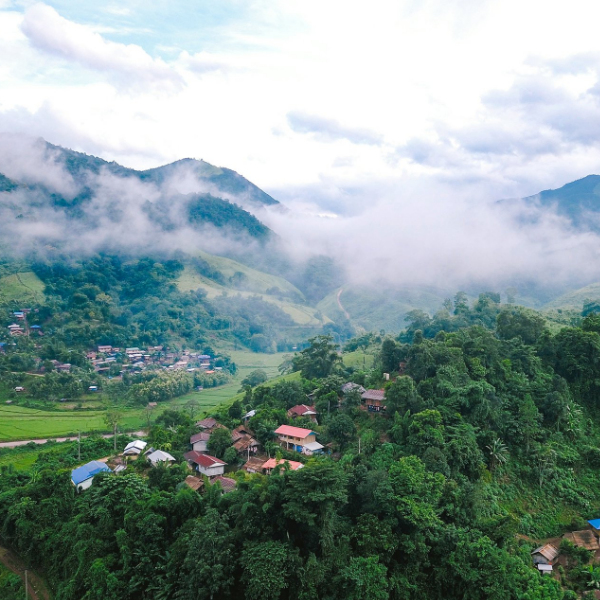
576, 298
256, 284
374, 308
22, 287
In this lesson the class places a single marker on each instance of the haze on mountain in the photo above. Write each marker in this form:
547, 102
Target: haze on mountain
411, 246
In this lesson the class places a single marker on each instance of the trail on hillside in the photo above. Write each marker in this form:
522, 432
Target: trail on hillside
36, 588
346, 313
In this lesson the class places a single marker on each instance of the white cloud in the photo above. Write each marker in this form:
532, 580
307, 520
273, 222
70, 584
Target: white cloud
128, 64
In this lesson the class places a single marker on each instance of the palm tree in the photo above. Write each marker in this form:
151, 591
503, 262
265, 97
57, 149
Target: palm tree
498, 453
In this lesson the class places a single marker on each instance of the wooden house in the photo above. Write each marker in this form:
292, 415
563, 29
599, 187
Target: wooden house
295, 438
374, 400
544, 555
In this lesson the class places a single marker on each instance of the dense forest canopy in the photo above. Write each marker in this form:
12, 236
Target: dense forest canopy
488, 444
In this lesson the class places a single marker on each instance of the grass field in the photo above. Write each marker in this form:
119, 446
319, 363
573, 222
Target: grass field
301, 314
21, 423
25, 287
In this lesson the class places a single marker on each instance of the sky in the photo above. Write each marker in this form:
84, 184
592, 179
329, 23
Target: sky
329, 105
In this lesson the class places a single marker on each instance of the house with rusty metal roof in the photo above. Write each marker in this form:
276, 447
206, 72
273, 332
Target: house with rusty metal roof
583, 539
254, 465
374, 400
199, 441
194, 483
227, 483
545, 554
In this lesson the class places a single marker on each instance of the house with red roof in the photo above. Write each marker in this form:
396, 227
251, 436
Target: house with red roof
303, 410
273, 462
211, 466
295, 438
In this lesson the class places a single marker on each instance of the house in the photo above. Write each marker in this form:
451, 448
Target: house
199, 441
208, 424
312, 448
595, 523
374, 400
82, 477
19, 389
158, 456
544, 555
239, 432
93, 388
227, 483
583, 539
104, 349
544, 569
253, 465
248, 416
273, 462
246, 445
135, 448
351, 387
205, 463
303, 410
194, 483
295, 438
63, 367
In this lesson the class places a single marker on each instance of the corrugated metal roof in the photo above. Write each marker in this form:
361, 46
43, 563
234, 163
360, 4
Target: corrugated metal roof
194, 483
288, 430
272, 463
203, 436
227, 483
160, 456
88, 470
548, 551
302, 409
204, 460
584, 539
137, 445
374, 395
313, 446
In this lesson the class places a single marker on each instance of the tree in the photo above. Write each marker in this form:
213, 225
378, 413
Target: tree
112, 417
266, 566
235, 411
341, 428
519, 321
498, 453
401, 395
319, 359
255, 378
364, 578
220, 440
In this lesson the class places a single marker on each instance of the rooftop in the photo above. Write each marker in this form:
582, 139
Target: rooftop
204, 460
273, 462
374, 395
86, 471
290, 431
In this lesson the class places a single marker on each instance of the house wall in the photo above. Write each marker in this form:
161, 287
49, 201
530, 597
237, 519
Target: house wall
212, 471
200, 446
297, 444
84, 485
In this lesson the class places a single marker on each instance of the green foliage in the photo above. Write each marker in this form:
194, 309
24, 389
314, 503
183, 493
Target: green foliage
319, 359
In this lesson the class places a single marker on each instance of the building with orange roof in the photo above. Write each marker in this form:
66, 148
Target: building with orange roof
295, 438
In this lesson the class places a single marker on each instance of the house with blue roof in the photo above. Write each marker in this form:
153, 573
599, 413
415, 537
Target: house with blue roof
82, 477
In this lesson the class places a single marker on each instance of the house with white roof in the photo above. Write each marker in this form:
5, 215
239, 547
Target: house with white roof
159, 456
134, 448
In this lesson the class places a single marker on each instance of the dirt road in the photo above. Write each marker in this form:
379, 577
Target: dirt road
36, 588
15, 444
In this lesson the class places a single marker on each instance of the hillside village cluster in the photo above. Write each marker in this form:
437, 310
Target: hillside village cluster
112, 361
210, 468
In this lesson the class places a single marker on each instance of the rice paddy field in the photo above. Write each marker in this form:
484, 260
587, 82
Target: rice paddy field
23, 423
